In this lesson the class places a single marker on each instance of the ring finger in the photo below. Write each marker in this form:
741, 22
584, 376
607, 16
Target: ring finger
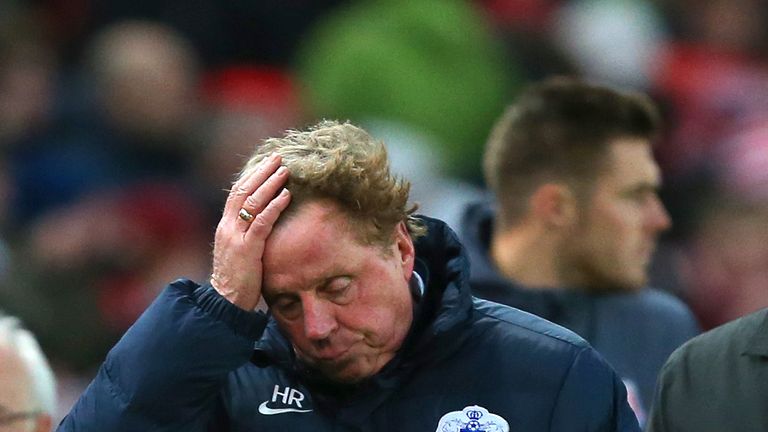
263, 195
246, 185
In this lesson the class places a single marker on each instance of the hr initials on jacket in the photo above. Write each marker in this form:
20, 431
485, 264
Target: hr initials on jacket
284, 400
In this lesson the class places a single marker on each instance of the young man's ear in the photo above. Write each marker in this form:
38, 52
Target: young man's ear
554, 204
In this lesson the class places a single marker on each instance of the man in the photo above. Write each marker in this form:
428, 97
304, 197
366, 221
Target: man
716, 381
371, 326
27, 387
575, 222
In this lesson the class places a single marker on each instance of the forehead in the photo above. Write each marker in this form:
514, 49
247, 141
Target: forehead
314, 243
629, 161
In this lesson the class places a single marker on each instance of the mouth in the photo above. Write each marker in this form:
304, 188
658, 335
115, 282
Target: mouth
330, 355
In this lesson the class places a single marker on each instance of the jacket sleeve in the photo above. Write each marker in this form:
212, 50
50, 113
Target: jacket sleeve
593, 398
166, 372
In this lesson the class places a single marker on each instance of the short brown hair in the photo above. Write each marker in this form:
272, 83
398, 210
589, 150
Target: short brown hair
560, 130
343, 163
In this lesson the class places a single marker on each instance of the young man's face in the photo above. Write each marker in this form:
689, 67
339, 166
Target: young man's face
346, 306
612, 244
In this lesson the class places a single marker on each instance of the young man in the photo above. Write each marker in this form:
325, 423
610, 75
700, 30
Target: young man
371, 325
27, 387
575, 223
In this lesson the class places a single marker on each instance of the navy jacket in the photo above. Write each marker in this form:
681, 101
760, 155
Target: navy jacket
189, 364
634, 331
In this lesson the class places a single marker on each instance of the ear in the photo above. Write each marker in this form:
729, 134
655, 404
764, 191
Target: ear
554, 204
405, 249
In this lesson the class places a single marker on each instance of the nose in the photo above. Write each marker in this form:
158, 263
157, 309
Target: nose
658, 218
319, 320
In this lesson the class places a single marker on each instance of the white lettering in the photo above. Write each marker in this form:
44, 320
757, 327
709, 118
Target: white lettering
276, 393
296, 396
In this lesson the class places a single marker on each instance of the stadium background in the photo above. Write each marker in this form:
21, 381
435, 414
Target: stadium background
121, 123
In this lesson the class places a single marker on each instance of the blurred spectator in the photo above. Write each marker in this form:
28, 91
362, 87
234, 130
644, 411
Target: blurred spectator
712, 77
27, 385
146, 81
102, 258
224, 33
725, 263
138, 125
743, 159
430, 64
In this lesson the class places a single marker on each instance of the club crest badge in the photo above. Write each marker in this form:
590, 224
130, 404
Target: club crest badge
472, 419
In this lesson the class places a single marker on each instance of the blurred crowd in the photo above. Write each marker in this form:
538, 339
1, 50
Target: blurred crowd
123, 122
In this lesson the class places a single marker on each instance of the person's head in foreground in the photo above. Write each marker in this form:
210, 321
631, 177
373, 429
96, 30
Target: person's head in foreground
572, 169
27, 388
338, 263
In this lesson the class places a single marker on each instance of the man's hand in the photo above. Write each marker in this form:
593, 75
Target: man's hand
249, 214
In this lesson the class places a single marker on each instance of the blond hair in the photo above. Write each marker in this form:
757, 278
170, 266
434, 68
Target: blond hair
343, 163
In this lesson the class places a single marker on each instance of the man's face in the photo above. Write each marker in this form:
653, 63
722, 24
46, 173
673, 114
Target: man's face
612, 243
15, 397
345, 306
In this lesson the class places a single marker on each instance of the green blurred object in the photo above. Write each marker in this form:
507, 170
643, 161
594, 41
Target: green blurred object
430, 63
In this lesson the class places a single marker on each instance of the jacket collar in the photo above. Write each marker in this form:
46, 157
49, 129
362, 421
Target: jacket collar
757, 343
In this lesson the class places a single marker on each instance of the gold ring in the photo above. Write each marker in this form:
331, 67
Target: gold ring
244, 215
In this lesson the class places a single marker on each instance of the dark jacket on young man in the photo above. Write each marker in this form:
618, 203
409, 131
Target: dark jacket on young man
634, 331
189, 364
716, 382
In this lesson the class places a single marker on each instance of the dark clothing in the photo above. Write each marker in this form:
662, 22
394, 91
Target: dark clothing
189, 364
634, 331
716, 382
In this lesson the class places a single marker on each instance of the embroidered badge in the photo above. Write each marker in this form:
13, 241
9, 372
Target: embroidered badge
472, 419
289, 399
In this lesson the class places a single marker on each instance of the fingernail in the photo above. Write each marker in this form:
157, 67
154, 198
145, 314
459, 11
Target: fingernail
284, 192
282, 170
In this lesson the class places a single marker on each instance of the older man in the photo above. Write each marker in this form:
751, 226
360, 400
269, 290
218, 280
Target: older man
371, 325
27, 389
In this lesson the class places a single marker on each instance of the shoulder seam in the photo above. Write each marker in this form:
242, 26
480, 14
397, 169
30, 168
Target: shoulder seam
575, 344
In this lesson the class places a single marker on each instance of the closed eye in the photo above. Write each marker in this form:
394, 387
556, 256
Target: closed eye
338, 289
288, 308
